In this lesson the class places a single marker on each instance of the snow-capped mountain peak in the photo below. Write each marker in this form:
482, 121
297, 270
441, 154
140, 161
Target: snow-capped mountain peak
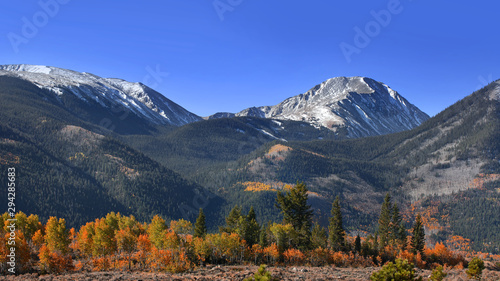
362, 106
108, 92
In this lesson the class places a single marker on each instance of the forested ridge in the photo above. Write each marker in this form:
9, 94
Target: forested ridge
120, 242
68, 170
71, 166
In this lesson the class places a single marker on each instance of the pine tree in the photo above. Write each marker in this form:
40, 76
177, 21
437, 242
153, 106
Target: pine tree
375, 243
357, 244
395, 223
319, 237
251, 214
418, 239
200, 228
232, 221
384, 221
336, 229
397, 230
297, 212
401, 237
263, 239
250, 228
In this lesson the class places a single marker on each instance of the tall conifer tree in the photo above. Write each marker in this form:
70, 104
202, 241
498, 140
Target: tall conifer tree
418, 239
336, 229
200, 227
296, 211
384, 221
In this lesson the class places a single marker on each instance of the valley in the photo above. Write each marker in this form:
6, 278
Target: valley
87, 147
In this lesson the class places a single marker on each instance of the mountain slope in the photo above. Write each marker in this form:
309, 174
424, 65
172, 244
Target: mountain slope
361, 105
202, 144
114, 95
67, 170
452, 157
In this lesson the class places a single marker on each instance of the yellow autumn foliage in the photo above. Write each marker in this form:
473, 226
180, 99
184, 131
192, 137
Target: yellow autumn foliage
259, 186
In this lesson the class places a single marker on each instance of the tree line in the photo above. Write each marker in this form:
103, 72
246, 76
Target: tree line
118, 242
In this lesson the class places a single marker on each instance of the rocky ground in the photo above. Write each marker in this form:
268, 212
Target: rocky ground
231, 273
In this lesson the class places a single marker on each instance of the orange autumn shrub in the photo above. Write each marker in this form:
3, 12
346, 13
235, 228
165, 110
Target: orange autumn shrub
44, 257
459, 266
85, 239
342, 259
319, 257
173, 261
126, 243
257, 254
22, 251
121, 264
419, 261
406, 255
442, 255
356, 260
37, 239
294, 256
143, 250
181, 263
4, 251
411, 257
53, 262
339, 259
79, 266
171, 240
271, 253
459, 244
73, 238
201, 249
389, 253
101, 263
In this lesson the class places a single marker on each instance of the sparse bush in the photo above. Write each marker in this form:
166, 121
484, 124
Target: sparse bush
438, 274
476, 266
402, 270
319, 257
261, 275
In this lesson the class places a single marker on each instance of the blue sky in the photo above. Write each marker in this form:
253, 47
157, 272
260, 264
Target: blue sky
227, 55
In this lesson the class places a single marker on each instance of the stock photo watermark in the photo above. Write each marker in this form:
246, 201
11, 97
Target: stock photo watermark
200, 200
115, 109
11, 225
32, 25
484, 81
156, 74
224, 6
364, 35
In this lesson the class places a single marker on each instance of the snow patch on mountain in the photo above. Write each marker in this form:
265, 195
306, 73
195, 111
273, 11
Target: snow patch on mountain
362, 105
108, 92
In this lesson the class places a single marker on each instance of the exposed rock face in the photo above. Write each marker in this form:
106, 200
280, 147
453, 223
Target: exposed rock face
362, 105
108, 92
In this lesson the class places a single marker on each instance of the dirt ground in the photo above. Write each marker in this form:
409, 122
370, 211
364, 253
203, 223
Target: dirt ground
231, 273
